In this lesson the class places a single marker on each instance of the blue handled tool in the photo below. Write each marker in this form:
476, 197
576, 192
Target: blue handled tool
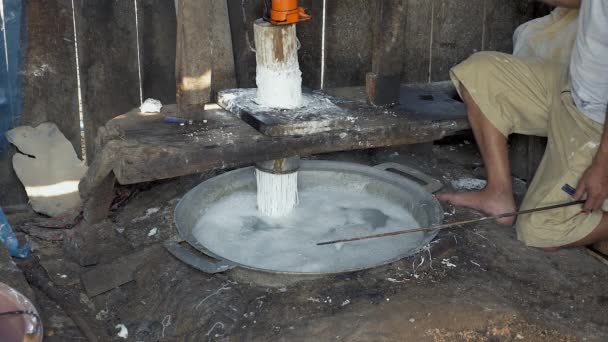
176, 120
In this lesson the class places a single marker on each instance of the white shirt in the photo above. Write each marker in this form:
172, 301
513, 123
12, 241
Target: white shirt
589, 63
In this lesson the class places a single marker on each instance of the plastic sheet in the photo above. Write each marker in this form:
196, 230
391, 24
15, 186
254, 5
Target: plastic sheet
9, 239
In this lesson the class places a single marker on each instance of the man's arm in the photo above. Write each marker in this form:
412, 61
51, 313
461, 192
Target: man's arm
564, 3
594, 182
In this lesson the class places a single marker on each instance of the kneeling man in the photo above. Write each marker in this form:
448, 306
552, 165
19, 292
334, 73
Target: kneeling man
506, 94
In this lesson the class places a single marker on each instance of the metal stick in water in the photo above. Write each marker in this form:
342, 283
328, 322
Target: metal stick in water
450, 225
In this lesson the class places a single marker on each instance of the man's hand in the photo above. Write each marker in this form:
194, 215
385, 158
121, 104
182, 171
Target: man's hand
594, 183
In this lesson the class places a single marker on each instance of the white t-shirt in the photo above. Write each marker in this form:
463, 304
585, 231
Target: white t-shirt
589, 63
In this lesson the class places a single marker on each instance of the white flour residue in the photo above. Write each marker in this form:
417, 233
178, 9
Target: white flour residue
277, 195
279, 88
316, 114
469, 184
123, 331
234, 229
149, 213
151, 106
448, 263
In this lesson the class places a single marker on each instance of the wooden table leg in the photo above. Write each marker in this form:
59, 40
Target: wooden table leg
97, 207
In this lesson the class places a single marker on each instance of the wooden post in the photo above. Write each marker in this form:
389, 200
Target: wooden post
383, 83
193, 65
278, 78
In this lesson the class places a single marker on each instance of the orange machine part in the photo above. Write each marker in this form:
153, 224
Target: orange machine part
284, 12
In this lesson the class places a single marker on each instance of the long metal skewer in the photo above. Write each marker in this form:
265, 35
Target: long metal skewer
450, 225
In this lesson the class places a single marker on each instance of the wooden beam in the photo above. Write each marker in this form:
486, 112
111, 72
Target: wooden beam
157, 26
50, 89
107, 38
193, 56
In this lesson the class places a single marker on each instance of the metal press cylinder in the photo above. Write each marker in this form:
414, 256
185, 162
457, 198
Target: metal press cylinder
280, 166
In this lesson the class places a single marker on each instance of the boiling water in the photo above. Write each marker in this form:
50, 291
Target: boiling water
277, 194
234, 229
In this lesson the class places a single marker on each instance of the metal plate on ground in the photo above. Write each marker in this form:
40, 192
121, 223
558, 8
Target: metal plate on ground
318, 114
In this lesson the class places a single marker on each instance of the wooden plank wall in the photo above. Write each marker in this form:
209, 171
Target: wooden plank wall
48, 82
121, 64
107, 38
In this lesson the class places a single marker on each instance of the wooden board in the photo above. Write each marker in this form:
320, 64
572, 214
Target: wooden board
325, 113
242, 15
318, 115
223, 68
194, 59
349, 42
310, 34
108, 52
144, 148
501, 18
50, 89
417, 45
457, 33
158, 29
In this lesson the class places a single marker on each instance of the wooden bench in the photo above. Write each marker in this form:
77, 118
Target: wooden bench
135, 147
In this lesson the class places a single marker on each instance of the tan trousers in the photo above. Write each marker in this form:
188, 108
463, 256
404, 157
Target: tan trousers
531, 96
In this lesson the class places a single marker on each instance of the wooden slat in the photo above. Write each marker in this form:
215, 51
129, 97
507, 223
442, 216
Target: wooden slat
242, 15
349, 42
417, 52
223, 68
501, 18
194, 64
310, 34
108, 54
49, 86
48, 81
457, 33
157, 22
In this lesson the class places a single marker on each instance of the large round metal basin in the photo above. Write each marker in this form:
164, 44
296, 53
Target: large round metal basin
402, 186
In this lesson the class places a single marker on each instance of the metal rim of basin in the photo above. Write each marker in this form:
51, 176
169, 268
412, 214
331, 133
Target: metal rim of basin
396, 176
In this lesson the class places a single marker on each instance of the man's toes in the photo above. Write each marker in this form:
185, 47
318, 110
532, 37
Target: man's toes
445, 197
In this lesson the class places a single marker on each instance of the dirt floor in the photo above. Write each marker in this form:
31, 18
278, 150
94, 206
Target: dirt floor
477, 284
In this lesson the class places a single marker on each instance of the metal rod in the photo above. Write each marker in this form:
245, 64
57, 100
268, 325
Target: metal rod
450, 225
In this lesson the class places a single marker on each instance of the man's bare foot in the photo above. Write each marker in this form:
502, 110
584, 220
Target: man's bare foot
491, 203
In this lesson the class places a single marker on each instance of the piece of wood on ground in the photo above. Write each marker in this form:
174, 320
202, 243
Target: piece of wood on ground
104, 278
97, 206
62, 272
69, 300
95, 244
